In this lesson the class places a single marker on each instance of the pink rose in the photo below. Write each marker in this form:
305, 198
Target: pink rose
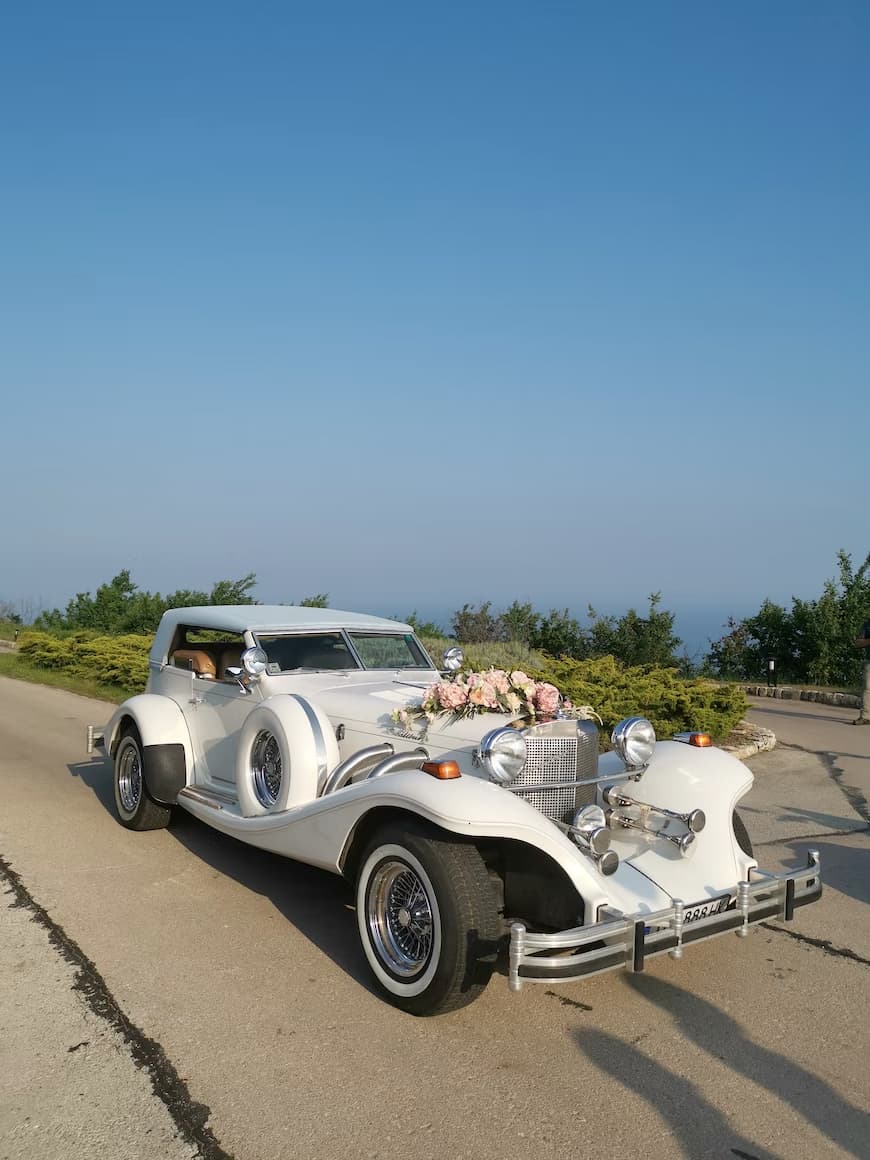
451, 696
498, 678
483, 695
546, 698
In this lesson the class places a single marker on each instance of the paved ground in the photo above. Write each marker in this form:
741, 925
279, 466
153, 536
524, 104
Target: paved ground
226, 1010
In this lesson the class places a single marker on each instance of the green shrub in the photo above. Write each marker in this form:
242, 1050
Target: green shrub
668, 700
110, 660
501, 654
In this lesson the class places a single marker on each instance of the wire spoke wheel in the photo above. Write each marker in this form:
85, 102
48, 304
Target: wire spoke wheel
399, 916
130, 777
266, 768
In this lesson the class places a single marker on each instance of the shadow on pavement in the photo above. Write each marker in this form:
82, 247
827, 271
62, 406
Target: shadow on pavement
844, 868
96, 773
723, 1038
698, 1127
318, 904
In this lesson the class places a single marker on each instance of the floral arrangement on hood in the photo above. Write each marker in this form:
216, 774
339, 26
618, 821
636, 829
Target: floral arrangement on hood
492, 691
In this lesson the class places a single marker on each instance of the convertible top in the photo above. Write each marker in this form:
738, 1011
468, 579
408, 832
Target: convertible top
275, 618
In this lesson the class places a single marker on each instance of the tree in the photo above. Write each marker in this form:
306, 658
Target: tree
634, 639
814, 642
475, 624
319, 600
121, 607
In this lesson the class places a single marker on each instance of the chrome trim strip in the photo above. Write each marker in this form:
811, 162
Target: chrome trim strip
319, 740
206, 797
538, 786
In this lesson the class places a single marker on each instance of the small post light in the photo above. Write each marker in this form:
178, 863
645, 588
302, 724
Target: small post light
771, 672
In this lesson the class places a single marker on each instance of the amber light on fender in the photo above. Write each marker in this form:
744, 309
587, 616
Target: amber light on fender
701, 740
443, 770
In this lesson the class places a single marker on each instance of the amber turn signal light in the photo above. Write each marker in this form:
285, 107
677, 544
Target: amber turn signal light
702, 740
443, 770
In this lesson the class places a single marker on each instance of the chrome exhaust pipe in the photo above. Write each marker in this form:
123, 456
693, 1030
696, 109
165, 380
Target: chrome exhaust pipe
694, 820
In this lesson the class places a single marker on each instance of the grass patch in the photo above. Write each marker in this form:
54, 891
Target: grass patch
12, 665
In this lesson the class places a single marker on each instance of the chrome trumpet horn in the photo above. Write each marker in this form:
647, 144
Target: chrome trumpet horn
694, 820
683, 842
589, 830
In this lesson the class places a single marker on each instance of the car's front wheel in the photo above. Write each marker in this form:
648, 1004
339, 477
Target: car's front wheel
136, 808
427, 917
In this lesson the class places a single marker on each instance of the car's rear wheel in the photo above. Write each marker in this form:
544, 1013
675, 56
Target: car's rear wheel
137, 810
427, 918
741, 834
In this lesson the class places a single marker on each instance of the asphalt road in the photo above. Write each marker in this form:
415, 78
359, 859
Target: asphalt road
227, 1012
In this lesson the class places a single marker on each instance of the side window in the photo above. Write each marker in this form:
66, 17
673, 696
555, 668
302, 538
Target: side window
207, 652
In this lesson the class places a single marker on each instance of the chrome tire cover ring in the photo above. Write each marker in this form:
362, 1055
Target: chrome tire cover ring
399, 918
130, 776
266, 768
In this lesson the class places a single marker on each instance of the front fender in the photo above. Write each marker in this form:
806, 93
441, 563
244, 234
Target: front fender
321, 832
167, 752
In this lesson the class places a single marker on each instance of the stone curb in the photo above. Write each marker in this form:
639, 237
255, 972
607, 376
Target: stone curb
747, 739
845, 700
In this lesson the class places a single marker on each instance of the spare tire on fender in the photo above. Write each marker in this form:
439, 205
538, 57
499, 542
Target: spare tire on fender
286, 750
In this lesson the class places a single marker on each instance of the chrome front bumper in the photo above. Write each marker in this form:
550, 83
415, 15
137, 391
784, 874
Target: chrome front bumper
626, 941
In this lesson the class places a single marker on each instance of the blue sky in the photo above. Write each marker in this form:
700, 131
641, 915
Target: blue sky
425, 304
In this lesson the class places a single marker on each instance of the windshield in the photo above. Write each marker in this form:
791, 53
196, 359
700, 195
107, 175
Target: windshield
377, 651
330, 650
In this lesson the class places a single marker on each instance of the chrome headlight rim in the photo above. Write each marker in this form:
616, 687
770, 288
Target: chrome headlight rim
634, 741
503, 763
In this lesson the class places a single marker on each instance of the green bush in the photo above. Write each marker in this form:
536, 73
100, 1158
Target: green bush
668, 700
111, 660
613, 690
500, 654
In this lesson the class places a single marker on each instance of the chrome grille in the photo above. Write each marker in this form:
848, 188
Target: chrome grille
556, 751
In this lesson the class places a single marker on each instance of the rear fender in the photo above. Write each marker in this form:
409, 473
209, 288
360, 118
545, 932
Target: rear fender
167, 753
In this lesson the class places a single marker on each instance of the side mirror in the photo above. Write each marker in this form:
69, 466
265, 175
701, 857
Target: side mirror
453, 659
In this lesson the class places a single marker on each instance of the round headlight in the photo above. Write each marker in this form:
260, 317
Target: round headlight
634, 739
503, 754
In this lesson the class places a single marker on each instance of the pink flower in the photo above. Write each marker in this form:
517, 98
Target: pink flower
546, 698
483, 694
518, 677
498, 678
451, 696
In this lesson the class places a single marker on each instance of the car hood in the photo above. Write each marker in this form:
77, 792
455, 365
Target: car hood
368, 701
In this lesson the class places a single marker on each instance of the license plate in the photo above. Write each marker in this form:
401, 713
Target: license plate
705, 909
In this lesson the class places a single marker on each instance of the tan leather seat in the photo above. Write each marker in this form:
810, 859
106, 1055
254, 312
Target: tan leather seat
195, 659
231, 658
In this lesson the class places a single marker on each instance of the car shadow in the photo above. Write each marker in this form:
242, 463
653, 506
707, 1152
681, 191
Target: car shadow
844, 867
318, 904
696, 1125
715, 1032
835, 823
96, 774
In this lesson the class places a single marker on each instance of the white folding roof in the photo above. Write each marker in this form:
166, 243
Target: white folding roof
277, 618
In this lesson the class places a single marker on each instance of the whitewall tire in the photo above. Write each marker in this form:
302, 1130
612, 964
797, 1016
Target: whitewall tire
427, 918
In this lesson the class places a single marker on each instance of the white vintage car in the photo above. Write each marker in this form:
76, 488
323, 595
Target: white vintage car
277, 725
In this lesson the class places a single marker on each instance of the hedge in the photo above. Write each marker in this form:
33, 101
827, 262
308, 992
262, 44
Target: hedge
613, 690
671, 702
111, 660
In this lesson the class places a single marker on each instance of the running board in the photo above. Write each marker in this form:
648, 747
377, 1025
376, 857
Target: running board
207, 797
